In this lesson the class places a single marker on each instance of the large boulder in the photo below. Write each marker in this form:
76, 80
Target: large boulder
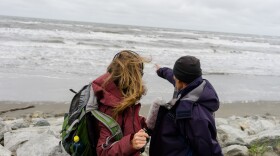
42, 140
42, 144
270, 137
255, 124
19, 123
3, 129
228, 135
221, 121
4, 151
14, 139
251, 125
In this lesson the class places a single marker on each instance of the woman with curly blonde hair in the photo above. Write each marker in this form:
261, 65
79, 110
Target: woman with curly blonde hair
118, 92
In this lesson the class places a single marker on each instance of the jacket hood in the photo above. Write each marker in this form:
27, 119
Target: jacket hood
108, 94
203, 93
209, 98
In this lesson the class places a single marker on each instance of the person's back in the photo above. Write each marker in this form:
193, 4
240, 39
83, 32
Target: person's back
186, 125
118, 97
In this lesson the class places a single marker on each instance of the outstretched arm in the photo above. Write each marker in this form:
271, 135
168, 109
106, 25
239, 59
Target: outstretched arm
165, 73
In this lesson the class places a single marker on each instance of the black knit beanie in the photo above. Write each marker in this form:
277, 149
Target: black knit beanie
187, 69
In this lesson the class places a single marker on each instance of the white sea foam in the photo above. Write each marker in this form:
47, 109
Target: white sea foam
57, 49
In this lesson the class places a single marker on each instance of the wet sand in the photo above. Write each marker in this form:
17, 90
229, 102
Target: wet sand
58, 109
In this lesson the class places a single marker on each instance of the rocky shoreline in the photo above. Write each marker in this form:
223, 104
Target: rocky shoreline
251, 135
38, 134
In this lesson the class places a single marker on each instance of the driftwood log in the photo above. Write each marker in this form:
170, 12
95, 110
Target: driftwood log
16, 109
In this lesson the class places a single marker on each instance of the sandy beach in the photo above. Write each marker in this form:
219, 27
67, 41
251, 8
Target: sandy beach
58, 109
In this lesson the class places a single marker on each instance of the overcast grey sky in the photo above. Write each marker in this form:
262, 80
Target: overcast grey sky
238, 16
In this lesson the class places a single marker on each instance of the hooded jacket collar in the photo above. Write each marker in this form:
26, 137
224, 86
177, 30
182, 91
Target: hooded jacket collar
190, 87
199, 92
108, 94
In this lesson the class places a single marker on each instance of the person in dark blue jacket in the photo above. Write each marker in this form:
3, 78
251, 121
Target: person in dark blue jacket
186, 126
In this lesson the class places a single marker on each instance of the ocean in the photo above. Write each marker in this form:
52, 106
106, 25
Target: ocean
40, 59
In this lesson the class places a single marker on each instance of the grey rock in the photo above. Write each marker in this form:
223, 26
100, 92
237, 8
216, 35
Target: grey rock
271, 136
228, 135
57, 151
234, 134
19, 123
42, 122
252, 125
3, 129
14, 139
42, 144
235, 150
4, 151
221, 121
55, 131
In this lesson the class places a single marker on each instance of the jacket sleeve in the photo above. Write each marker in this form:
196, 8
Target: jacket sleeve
167, 74
142, 121
117, 148
201, 141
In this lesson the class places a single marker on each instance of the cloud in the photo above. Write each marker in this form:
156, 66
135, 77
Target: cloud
250, 16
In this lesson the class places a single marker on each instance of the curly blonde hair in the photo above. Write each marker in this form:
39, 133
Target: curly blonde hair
126, 71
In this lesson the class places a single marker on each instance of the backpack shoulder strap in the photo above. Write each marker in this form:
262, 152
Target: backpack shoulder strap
108, 121
111, 124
